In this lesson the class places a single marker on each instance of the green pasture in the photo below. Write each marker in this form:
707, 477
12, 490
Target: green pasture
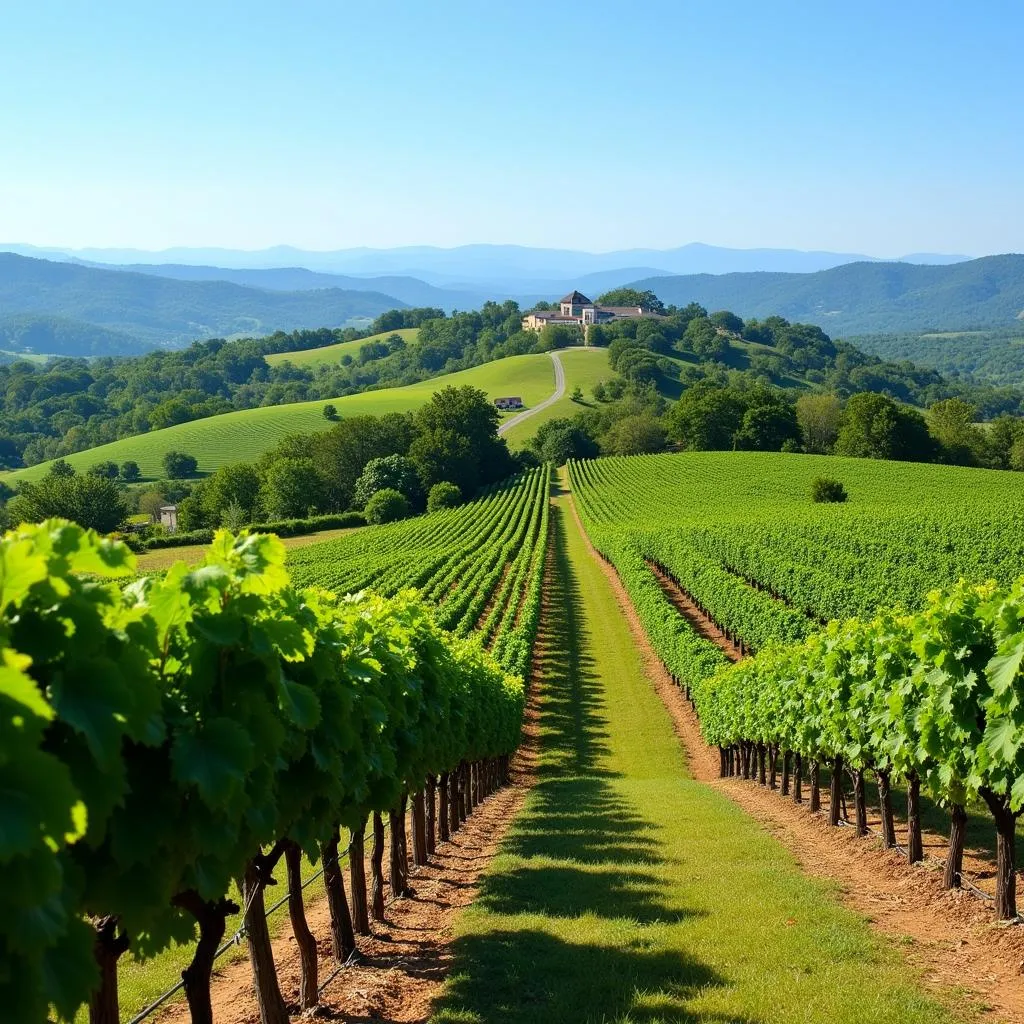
583, 367
330, 355
244, 435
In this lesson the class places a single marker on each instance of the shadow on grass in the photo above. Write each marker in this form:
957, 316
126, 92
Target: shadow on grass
581, 860
528, 976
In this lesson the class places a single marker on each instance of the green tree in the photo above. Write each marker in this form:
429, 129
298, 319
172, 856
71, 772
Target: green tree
952, 424
129, 471
62, 468
635, 435
767, 426
236, 486
646, 300
706, 417
342, 452
330, 412
1016, 454
178, 465
479, 458
291, 488
106, 469
443, 495
702, 338
393, 472
638, 364
440, 454
727, 321
826, 490
559, 440
820, 417
91, 501
386, 506
876, 427
553, 336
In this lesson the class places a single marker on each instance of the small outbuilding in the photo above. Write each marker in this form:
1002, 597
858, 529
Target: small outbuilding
169, 518
505, 404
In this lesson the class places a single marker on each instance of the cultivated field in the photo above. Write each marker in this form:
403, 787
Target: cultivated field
629, 885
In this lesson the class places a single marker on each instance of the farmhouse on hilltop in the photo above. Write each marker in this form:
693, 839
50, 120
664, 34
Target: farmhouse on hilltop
576, 310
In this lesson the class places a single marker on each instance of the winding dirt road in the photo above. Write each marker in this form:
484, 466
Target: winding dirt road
550, 400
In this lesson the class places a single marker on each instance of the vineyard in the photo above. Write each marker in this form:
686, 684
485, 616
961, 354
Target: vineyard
170, 744
888, 635
166, 738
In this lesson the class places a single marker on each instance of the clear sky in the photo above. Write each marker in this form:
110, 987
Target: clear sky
878, 127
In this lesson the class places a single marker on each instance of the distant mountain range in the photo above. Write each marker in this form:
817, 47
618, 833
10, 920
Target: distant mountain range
66, 305
862, 298
70, 309
495, 269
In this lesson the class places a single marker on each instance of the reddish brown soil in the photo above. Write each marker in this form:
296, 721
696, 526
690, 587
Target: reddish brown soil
703, 624
950, 937
489, 607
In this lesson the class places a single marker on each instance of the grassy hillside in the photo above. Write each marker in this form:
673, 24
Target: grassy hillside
245, 435
583, 367
158, 311
861, 298
330, 355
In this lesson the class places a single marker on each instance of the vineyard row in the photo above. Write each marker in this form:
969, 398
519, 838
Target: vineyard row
930, 699
161, 740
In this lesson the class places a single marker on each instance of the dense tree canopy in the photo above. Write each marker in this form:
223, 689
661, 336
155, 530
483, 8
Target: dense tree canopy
91, 501
393, 472
631, 297
876, 427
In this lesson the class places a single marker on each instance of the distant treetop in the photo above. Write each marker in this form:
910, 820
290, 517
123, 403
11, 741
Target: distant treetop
631, 297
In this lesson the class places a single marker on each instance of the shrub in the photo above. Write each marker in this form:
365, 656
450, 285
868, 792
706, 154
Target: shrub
577, 394
443, 495
91, 501
107, 470
330, 412
825, 490
387, 506
282, 527
178, 465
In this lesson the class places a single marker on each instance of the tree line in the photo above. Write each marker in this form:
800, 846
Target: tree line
69, 405
386, 467
776, 386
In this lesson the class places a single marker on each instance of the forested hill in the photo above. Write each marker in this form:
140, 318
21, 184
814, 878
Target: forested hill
70, 309
409, 290
866, 298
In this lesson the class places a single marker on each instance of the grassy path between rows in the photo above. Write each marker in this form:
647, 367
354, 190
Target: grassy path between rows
628, 892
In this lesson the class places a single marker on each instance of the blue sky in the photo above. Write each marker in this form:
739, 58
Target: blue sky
871, 127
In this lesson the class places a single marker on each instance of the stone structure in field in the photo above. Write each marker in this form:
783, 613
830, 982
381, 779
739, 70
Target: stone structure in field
169, 517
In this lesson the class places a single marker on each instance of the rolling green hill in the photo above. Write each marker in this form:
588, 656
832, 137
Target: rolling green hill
583, 368
87, 303
246, 434
330, 355
861, 298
